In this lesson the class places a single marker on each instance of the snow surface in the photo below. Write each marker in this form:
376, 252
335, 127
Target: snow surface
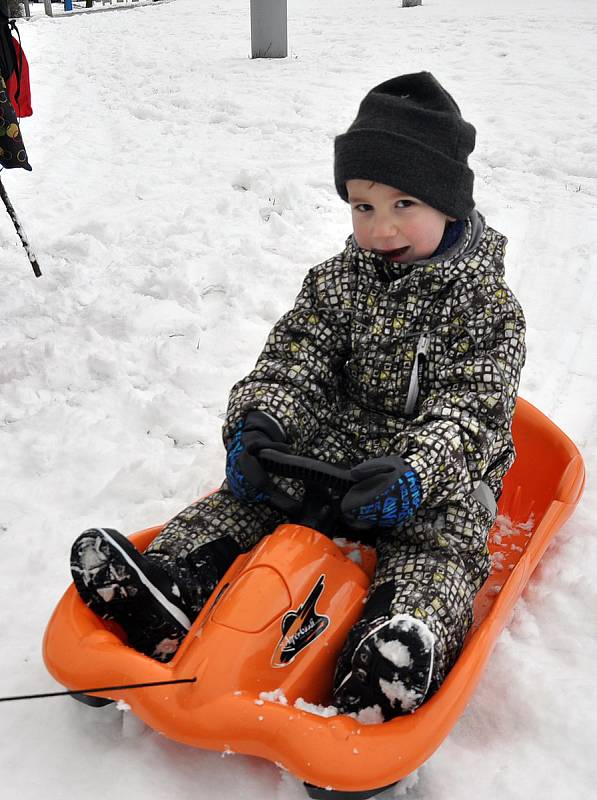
180, 191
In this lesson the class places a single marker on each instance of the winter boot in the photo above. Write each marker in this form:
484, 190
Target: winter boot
385, 662
119, 583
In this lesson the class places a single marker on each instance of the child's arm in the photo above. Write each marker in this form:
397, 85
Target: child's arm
462, 432
298, 369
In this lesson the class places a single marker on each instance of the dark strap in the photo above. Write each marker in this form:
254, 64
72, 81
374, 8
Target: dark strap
17, 60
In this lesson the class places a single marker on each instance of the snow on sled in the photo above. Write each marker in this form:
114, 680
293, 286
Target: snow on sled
264, 647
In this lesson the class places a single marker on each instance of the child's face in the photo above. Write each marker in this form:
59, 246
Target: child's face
398, 225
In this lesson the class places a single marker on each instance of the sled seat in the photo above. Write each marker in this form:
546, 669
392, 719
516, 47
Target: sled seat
540, 492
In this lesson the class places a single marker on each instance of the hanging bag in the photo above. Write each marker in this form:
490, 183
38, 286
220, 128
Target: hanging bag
17, 84
15, 97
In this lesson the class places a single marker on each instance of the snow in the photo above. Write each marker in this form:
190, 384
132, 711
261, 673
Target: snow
396, 691
367, 716
314, 708
371, 715
179, 193
396, 652
277, 696
352, 550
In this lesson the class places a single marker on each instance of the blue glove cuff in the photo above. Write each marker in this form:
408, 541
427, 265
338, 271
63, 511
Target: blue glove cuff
240, 487
396, 505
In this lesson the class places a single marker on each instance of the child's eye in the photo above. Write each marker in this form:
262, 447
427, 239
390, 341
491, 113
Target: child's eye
363, 207
404, 203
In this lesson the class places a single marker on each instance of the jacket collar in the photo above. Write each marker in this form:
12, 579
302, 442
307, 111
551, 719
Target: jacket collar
429, 275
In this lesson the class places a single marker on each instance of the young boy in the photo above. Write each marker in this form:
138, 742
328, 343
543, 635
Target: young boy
400, 357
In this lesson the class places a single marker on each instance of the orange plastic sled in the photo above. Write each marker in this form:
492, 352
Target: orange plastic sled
298, 586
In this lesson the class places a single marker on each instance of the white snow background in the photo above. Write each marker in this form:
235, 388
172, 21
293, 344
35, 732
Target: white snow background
180, 191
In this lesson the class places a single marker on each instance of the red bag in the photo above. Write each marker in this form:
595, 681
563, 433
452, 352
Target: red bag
18, 87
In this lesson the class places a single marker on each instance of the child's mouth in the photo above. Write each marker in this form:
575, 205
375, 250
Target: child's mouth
399, 254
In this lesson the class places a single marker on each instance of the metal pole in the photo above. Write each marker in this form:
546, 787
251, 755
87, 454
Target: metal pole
19, 229
269, 35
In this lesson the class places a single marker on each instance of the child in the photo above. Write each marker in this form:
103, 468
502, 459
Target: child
401, 357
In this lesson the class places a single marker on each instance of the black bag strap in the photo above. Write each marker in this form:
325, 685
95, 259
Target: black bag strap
17, 60
8, 61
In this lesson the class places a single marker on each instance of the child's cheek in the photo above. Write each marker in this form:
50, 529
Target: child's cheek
359, 228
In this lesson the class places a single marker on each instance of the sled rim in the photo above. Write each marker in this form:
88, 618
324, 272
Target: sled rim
336, 752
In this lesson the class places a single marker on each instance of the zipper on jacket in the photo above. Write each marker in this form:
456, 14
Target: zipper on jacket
416, 374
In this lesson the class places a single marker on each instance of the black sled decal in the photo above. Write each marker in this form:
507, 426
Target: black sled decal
301, 627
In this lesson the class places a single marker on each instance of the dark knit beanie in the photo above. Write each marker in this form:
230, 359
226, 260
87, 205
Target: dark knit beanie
409, 134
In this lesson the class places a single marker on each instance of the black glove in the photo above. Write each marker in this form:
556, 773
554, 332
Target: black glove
388, 493
247, 479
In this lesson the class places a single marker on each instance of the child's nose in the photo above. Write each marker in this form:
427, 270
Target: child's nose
385, 228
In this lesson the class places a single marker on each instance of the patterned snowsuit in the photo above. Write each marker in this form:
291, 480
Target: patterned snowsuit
378, 358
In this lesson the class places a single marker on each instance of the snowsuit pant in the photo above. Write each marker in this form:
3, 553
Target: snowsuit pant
431, 568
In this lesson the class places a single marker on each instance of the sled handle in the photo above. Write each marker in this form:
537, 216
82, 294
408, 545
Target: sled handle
308, 470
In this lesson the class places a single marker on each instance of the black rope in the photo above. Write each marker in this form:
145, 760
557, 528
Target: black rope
97, 689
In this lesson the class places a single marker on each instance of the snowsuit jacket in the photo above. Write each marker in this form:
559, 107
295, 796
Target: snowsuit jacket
420, 360
375, 358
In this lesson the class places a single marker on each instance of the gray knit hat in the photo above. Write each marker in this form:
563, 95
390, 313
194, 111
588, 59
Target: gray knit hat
409, 134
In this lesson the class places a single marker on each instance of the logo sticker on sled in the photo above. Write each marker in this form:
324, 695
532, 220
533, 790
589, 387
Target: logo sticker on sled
301, 627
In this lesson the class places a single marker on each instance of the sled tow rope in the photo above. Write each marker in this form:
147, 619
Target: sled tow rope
96, 689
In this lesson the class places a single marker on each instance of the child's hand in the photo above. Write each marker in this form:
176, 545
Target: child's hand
388, 493
247, 479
